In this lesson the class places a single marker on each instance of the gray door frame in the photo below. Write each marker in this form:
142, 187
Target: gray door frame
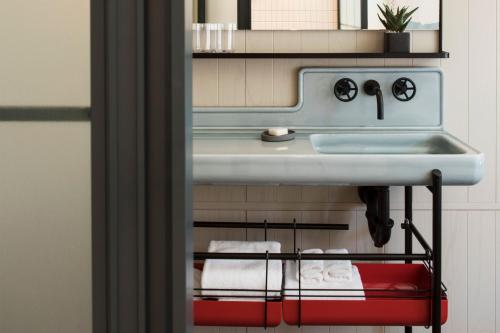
141, 165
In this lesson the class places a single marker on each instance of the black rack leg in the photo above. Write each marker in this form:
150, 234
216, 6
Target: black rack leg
408, 233
408, 221
436, 247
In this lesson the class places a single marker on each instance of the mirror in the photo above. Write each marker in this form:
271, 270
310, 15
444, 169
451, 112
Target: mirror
310, 14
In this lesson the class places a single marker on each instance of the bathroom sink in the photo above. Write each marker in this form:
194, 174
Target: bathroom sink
387, 144
360, 141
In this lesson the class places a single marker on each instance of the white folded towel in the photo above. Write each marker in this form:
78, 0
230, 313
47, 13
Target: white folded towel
196, 281
242, 274
345, 290
337, 270
311, 271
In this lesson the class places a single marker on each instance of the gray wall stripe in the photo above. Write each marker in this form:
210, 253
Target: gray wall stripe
44, 113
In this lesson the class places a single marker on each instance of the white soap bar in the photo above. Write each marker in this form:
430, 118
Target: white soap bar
277, 131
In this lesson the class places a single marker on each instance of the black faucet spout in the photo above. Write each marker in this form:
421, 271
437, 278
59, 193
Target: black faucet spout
372, 88
380, 105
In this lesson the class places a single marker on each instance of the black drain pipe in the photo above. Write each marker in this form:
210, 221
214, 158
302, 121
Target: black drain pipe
377, 213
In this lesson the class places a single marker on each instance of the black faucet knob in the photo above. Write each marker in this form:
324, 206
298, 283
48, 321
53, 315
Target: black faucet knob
345, 90
372, 88
404, 89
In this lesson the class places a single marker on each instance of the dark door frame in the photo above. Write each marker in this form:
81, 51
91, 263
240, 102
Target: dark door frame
141, 165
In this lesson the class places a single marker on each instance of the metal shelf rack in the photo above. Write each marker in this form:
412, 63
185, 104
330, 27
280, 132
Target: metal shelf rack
431, 257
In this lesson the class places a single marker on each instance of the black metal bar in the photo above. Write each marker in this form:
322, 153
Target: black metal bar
265, 230
202, 11
246, 231
436, 246
244, 14
265, 298
313, 289
277, 298
271, 298
440, 25
284, 226
295, 235
240, 289
408, 231
312, 256
418, 236
408, 221
345, 55
364, 14
299, 258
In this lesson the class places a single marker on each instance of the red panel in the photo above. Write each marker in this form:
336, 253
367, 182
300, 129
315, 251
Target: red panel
372, 311
231, 313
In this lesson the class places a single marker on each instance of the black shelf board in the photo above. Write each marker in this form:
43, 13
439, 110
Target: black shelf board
429, 55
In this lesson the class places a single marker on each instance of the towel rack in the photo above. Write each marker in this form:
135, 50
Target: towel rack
387, 305
263, 225
266, 225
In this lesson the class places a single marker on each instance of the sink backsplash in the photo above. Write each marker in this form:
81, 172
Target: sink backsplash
319, 107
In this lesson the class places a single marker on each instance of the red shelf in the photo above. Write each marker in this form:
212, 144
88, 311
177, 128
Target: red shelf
235, 313
392, 304
380, 307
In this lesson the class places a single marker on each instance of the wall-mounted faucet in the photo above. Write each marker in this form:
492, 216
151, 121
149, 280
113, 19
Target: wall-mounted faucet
372, 88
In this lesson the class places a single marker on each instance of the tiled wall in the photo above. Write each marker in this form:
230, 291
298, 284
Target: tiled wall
472, 112
294, 15
273, 82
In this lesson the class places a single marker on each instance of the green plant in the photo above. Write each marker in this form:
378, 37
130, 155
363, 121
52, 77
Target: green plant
395, 21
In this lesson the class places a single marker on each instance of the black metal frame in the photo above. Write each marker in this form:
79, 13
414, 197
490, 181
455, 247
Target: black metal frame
344, 55
431, 258
364, 14
141, 165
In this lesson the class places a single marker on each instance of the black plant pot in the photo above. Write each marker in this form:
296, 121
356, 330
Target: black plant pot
397, 42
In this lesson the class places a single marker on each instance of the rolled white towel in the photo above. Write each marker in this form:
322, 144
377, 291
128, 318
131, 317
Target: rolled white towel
242, 274
311, 271
340, 290
337, 270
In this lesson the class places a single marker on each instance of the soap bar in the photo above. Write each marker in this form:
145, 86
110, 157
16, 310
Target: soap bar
277, 131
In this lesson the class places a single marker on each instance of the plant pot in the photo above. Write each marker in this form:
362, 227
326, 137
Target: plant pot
397, 42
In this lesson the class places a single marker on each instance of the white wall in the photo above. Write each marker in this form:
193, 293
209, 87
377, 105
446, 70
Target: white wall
45, 250
45, 52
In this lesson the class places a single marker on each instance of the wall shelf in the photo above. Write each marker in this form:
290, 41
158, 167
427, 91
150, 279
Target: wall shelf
430, 55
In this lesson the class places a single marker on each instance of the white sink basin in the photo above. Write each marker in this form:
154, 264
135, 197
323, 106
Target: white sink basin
385, 143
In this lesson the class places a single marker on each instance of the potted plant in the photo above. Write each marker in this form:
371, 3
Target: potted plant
395, 21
